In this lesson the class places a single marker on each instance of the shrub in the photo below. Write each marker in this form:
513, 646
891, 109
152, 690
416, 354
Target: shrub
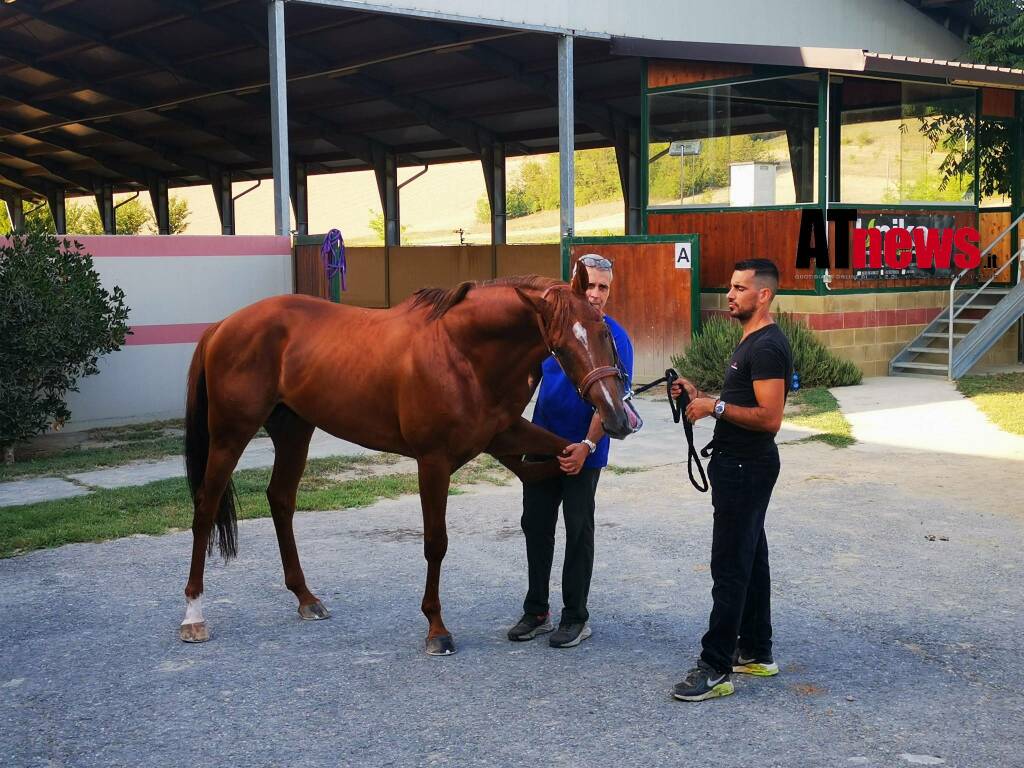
704, 363
56, 320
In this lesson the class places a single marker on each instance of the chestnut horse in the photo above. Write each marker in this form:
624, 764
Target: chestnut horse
441, 378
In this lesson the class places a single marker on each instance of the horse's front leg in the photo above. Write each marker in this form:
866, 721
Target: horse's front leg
435, 477
526, 438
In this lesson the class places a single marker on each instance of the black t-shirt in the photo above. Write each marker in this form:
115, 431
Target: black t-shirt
764, 354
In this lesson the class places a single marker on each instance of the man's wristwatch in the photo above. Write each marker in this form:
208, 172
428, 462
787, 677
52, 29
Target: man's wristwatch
590, 444
719, 409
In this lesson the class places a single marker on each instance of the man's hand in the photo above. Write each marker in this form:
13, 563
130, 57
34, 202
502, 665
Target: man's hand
679, 384
572, 458
699, 408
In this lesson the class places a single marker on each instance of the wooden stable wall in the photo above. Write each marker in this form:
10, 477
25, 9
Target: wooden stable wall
379, 277
662, 72
730, 236
651, 299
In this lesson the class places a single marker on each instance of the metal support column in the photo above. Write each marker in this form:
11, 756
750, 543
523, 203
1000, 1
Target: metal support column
279, 116
224, 198
493, 161
15, 208
161, 204
55, 197
300, 197
566, 136
105, 202
386, 170
627, 156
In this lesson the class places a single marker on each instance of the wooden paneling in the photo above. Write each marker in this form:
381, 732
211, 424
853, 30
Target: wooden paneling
730, 236
990, 225
309, 271
662, 72
545, 260
650, 298
844, 278
996, 102
364, 279
415, 267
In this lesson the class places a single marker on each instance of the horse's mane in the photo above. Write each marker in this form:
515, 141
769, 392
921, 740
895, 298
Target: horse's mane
440, 300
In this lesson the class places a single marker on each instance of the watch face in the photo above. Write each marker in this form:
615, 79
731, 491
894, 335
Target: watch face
719, 408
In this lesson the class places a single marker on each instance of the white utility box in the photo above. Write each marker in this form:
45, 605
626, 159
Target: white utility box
752, 183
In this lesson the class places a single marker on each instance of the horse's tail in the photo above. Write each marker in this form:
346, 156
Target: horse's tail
197, 451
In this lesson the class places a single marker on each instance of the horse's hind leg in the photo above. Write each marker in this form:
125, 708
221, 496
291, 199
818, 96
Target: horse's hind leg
223, 457
291, 436
435, 477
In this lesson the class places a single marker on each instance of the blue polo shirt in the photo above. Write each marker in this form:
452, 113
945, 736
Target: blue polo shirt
561, 410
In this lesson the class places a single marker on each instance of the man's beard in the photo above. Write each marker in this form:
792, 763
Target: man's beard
741, 315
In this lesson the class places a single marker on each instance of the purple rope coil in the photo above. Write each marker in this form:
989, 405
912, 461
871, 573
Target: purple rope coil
333, 254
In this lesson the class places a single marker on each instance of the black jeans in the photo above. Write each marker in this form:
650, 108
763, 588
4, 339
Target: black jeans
741, 592
575, 493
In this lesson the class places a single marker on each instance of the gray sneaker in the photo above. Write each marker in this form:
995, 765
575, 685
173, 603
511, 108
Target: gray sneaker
570, 635
529, 627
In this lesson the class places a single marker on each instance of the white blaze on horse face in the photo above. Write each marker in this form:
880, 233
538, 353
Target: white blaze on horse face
581, 334
193, 611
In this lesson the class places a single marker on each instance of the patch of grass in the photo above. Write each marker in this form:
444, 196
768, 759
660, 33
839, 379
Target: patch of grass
818, 409
617, 470
1000, 397
165, 505
106, 447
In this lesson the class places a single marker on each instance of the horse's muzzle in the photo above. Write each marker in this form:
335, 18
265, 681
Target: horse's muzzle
625, 425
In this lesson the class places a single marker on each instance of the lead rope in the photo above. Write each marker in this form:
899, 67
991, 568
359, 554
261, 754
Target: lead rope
678, 406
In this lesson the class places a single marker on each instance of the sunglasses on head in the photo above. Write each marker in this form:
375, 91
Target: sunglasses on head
598, 262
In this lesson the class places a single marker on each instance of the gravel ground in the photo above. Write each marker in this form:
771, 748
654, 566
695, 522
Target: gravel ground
894, 647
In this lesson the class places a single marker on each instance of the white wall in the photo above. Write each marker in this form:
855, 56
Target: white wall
886, 26
175, 287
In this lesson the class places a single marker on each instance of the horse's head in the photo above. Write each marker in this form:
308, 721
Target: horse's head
581, 342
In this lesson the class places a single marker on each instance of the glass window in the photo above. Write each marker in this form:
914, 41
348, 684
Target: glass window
743, 144
903, 142
995, 138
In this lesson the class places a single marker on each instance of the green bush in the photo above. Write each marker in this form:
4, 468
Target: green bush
704, 363
56, 320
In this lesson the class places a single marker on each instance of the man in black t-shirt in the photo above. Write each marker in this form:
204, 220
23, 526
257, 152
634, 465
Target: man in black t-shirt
743, 469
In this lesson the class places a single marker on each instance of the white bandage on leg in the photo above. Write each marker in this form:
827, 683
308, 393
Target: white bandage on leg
193, 611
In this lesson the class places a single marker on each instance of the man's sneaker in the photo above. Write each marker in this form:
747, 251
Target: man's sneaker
530, 626
763, 666
702, 682
570, 635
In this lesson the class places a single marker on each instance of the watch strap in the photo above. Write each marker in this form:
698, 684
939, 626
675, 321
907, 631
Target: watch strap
589, 443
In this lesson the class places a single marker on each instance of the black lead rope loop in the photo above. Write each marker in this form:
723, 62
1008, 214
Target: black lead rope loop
678, 406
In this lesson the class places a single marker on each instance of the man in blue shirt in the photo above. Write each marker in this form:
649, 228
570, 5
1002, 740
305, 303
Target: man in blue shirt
560, 410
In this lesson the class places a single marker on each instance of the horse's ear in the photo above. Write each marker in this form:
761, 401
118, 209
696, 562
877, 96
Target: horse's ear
580, 279
538, 304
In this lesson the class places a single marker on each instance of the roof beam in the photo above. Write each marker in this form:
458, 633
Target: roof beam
178, 115
598, 116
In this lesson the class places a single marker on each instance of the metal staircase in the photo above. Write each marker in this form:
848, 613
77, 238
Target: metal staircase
979, 319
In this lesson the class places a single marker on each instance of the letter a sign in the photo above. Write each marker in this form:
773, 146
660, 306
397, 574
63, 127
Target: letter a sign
682, 255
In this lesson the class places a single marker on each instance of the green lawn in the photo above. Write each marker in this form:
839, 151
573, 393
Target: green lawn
818, 409
165, 505
1000, 397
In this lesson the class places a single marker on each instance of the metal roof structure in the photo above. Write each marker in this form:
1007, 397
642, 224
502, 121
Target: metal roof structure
121, 92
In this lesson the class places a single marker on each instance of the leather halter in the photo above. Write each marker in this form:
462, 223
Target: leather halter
601, 372
596, 375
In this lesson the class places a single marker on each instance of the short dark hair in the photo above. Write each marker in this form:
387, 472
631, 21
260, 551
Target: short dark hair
764, 270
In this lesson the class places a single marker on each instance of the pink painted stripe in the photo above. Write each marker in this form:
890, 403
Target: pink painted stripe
113, 246
177, 333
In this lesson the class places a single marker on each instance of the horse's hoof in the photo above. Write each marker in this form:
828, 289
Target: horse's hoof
194, 633
314, 611
442, 645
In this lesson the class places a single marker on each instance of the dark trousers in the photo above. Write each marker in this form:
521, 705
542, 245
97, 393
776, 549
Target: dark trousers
540, 514
741, 591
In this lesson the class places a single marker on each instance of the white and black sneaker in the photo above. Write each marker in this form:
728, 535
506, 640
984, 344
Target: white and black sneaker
702, 682
530, 626
761, 666
569, 635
